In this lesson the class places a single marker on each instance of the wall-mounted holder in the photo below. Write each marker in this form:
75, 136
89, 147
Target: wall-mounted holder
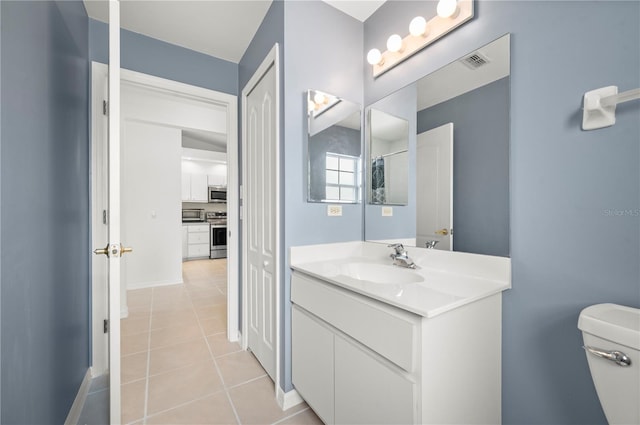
599, 107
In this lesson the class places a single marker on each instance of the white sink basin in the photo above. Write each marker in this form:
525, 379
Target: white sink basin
380, 273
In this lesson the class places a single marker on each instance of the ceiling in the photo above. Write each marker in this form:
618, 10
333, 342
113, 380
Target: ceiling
220, 28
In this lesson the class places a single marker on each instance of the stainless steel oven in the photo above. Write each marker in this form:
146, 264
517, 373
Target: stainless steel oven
218, 234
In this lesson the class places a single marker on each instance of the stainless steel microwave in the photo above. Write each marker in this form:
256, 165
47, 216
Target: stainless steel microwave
218, 194
192, 214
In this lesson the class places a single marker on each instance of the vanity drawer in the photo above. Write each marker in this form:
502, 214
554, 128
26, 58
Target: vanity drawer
391, 332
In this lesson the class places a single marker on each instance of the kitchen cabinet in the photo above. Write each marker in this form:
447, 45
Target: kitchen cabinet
358, 360
197, 241
216, 180
194, 187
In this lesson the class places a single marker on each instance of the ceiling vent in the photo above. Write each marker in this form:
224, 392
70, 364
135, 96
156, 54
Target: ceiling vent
475, 60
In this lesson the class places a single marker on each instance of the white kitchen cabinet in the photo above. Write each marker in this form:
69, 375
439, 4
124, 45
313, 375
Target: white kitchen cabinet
194, 187
197, 241
368, 362
217, 180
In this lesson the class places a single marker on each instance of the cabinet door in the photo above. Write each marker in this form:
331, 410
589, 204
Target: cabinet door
199, 188
312, 363
186, 187
198, 251
370, 390
198, 238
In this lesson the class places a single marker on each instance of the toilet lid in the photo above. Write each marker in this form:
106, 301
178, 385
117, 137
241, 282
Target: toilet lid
616, 323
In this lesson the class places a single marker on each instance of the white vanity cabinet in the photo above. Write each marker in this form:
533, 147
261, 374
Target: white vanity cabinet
357, 360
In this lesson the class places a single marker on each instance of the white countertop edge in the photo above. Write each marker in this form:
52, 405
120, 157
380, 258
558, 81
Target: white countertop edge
412, 309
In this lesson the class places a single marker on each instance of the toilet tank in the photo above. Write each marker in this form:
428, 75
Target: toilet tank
609, 328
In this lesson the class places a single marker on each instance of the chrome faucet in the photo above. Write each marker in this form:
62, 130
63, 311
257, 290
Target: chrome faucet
401, 257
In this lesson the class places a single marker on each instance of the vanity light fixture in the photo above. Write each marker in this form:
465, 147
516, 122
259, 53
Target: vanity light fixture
374, 57
447, 8
450, 15
418, 27
394, 43
319, 102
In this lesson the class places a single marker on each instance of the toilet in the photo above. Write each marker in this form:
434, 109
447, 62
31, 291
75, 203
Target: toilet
611, 335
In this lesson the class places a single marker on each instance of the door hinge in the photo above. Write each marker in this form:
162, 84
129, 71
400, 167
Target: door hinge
105, 326
104, 216
105, 107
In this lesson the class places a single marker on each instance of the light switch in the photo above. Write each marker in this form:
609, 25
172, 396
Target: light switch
387, 211
334, 210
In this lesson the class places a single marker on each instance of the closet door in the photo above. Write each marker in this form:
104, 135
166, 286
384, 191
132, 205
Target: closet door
261, 217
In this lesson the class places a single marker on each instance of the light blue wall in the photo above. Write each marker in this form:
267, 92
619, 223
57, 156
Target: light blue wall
480, 165
158, 58
568, 248
44, 199
323, 52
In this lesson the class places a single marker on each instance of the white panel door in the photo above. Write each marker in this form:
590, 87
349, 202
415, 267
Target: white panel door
434, 187
261, 156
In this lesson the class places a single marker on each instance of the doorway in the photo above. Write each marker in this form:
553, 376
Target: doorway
163, 99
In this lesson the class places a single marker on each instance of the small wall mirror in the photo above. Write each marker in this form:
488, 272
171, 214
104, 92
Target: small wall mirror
458, 157
334, 149
389, 158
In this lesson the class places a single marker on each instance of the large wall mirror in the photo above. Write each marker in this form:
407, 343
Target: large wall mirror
457, 152
334, 148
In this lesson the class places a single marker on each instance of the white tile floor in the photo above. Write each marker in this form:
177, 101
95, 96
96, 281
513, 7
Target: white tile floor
179, 368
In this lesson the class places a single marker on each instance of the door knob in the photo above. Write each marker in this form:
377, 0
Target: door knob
442, 232
113, 250
104, 251
265, 264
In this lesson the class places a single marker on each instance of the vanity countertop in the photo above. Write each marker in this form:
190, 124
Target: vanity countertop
444, 280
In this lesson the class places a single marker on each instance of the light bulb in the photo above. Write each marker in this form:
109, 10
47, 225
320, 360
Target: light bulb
418, 26
318, 98
374, 57
394, 43
447, 8
311, 105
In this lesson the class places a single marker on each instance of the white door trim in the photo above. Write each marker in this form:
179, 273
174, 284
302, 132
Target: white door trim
272, 59
99, 74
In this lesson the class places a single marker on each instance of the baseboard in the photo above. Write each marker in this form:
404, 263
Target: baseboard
289, 399
76, 408
142, 285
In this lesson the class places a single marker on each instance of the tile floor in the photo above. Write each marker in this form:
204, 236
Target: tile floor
179, 368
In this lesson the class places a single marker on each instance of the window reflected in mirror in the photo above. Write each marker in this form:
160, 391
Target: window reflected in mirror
389, 138
334, 149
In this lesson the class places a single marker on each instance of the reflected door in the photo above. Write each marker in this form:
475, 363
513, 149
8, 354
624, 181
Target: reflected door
434, 188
